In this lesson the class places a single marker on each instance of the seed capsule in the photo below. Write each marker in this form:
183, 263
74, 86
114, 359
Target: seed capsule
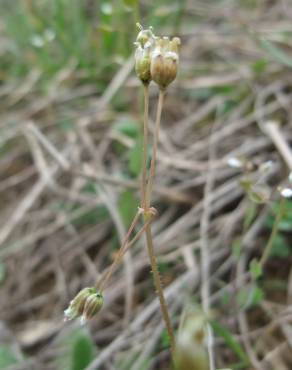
164, 61
85, 305
144, 45
142, 63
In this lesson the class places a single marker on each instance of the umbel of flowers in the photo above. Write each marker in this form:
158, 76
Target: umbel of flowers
156, 58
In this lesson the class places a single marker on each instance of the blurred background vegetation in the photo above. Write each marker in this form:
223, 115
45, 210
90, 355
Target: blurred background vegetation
68, 91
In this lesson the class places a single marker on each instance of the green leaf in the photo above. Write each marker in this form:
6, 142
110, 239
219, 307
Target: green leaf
255, 269
250, 296
165, 341
130, 3
278, 54
230, 341
128, 207
280, 248
128, 128
249, 215
259, 66
135, 157
7, 357
82, 352
259, 194
78, 350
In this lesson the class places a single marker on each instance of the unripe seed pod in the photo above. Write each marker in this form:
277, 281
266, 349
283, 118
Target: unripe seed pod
85, 305
142, 64
92, 306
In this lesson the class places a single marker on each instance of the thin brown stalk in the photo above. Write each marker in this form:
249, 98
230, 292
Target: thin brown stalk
149, 239
137, 236
155, 146
101, 284
158, 287
145, 145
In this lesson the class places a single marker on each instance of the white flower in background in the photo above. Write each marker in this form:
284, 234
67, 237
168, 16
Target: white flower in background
234, 162
286, 193
37, 41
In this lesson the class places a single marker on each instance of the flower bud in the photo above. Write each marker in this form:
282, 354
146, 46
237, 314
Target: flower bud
86, 304
164, 61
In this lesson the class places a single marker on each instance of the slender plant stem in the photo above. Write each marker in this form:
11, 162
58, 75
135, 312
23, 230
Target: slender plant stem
145, 145
101, 284
155, 146
270, 243
137, 236
149, 239
159, 289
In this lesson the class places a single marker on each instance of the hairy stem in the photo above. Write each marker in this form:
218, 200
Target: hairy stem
158, 287
149, 239
145, 145
155, 146
104, 280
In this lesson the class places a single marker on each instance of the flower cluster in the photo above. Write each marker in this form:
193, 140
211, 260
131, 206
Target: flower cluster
85, 305
156, 58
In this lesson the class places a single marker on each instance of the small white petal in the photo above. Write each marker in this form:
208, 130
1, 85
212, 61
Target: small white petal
290, 177
82, 320
286, 193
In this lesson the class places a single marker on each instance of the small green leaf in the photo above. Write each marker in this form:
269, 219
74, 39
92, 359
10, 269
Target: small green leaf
259, 66
165, 342
250, 296
82, 352
135, 157
230, 341
278, 54
259, 194
128, 207
280, 247
255, 269
128, 128
66, 125
78, 350
130, 3
7, 357
249, 215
